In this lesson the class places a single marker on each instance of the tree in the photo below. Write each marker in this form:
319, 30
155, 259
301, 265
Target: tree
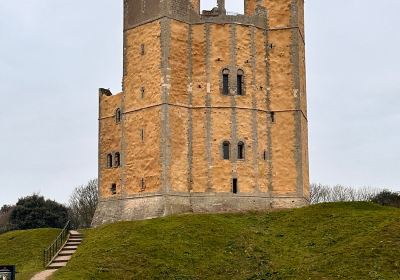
5, 213
387, 198
5, 209
36, 212
82, 204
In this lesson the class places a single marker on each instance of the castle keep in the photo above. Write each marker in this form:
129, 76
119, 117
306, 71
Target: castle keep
213, 112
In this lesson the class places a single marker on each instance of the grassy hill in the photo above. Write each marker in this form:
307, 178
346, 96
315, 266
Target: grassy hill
328, 241
24, 248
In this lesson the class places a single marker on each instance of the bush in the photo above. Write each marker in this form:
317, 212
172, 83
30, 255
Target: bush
323, 193
36, 212
387, 198
82, 205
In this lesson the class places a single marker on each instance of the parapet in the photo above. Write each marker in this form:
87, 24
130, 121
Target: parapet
138, 12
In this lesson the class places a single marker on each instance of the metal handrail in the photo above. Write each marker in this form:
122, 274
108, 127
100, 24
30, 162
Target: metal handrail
52, 250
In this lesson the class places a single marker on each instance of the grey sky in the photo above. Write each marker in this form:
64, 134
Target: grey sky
54, 55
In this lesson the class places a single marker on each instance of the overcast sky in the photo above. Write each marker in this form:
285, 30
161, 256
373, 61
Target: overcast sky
54, 55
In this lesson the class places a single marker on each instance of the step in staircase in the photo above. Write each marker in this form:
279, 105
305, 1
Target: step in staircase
62, 258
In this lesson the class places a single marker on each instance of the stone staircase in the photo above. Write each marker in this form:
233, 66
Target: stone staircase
63, 256
61, 260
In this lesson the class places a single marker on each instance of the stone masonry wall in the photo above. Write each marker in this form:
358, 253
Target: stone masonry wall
175, 117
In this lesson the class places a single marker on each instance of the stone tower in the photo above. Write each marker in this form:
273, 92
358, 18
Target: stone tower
213, 113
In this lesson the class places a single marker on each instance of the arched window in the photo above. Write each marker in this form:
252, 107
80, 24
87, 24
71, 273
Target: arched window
240, 81
240, 151
226, 150
109, 161
117, 160
225, 82
118, 115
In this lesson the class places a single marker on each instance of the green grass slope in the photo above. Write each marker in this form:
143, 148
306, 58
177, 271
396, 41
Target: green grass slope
24, 249
328, 241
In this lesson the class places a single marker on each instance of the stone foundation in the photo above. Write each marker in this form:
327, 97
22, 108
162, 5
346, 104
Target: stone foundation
160, 205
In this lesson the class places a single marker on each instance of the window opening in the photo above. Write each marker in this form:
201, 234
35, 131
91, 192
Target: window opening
240, 82
240, 150
118, 115
142, 135
235, 185
109, 161
142, 185
272, 117
142, 50
225, 81
265, 155
117, 159
226, 147
142, 92
114, 189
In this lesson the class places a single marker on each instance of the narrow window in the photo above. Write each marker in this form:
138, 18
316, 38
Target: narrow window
142, 135
142, 92
142, 186
117, 159
226, 149
109, 161
240, 82
114, 189
225, 82
142, 50
240, 150
118, 115
235, 185
272, 117
265, 155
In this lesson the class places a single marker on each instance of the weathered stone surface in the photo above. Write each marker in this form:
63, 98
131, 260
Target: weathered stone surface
175, 117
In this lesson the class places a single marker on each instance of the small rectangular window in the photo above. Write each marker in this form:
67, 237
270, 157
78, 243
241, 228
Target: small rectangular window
142, 185
226, 150
114, 189
235, 185
142, 134
240, 150
142, 50
272, 117
142, 92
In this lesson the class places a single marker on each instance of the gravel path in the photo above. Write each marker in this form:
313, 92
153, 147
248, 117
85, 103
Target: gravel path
44, 274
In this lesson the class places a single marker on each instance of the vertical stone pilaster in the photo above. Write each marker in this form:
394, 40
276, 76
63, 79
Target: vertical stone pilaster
254, 119
165, 40
233, 63
295, 61
208, 103
190, 110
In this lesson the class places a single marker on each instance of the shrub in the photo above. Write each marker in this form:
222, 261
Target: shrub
387, 198
323, 193
36, 212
